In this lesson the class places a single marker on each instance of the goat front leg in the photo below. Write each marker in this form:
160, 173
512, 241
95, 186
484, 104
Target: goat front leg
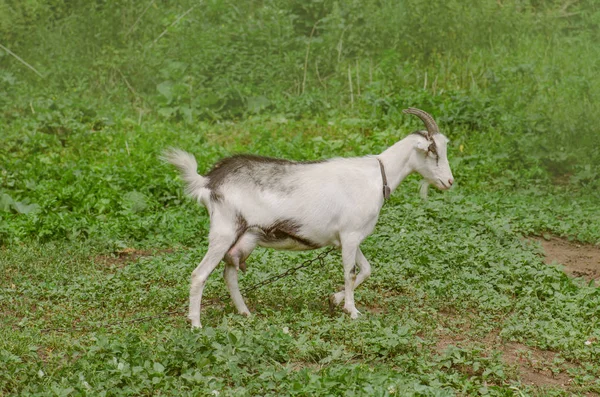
217, 247
365, 272
349, 252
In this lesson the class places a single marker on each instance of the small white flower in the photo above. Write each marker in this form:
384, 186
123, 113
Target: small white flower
392, 389
286, 330
215, 392
41, 373
588, 342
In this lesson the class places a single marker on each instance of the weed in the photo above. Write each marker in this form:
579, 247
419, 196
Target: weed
511, 83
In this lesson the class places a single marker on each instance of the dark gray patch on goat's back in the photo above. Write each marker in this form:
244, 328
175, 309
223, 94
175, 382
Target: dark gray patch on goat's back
263, 172
216, 196
285, 229
239, 164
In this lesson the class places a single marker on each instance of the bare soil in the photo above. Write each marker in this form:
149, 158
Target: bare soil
536, 366
533, 366
579, 260
126, 256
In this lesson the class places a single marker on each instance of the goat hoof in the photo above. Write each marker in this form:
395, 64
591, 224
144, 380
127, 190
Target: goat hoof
337, 298
352, 311
331, 304
195, 323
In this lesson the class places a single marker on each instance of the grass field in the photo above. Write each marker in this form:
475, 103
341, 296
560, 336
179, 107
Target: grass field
97, 239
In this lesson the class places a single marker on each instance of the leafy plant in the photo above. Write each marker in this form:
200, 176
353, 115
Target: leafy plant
94, 229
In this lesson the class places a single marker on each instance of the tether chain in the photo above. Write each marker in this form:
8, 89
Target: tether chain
270, 280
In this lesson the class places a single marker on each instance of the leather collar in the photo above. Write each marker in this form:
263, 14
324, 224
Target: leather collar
386, 189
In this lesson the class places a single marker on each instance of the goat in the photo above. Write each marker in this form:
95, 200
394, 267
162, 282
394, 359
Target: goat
287, 205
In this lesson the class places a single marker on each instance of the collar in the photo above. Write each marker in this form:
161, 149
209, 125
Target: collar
386, 189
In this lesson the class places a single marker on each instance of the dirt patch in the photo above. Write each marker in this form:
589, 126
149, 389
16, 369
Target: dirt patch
300, 365
374, 309
580, 260
533, 366
125, 256
44, 353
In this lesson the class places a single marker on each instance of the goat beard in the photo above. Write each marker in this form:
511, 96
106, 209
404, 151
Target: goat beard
424, 189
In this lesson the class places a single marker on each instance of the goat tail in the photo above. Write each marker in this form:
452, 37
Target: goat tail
188, 167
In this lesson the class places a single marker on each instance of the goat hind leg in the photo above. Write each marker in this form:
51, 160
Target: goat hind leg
217, 248
236, 259
231, 280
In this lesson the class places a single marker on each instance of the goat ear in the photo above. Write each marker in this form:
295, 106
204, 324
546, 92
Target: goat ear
422, 145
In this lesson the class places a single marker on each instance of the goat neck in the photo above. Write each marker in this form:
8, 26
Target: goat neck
397, 161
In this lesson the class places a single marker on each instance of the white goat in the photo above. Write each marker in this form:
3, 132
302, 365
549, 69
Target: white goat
291, 205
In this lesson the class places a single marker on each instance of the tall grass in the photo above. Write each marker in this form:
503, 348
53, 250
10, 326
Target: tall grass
523, 69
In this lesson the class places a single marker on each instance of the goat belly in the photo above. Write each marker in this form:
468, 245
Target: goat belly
279, 239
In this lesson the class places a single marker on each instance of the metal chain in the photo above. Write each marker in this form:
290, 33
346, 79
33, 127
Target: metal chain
270, 280
320, 258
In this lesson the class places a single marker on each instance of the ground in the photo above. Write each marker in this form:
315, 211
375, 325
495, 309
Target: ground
579, 260
533, 366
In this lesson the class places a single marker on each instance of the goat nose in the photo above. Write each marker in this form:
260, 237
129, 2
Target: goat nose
450, 181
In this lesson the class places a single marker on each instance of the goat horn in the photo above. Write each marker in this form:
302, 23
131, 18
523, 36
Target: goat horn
430, 124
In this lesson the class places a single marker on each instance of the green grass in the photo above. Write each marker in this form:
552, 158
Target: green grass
95, 230
459, 252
